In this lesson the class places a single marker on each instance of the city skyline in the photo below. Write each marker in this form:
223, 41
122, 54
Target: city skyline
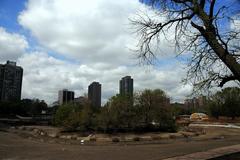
74, 54
126, 87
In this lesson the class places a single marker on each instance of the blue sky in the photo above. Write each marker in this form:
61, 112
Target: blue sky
9, 10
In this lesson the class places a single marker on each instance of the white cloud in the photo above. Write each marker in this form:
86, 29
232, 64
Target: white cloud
96, 34
12, 45
89, 31
45, 75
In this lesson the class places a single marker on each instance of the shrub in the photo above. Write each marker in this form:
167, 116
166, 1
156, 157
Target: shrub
136, 139
115, 139
93, 139
156, 138
172, 136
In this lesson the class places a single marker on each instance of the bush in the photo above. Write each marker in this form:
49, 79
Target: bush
172, 136
93, 139
120, 114
136, 139
115, 139
156, 138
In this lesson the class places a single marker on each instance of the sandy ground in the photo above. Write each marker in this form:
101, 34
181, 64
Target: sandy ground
16, 147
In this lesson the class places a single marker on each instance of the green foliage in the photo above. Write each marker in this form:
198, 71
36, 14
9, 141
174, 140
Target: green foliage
225, 103
150, 112
146, 111
136, 138
154, 108
117, 114
63, 114
25, 107
115, 139
178, 109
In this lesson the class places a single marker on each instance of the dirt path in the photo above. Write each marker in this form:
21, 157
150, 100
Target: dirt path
14, 147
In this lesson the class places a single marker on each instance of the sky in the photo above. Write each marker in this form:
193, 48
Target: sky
67, 44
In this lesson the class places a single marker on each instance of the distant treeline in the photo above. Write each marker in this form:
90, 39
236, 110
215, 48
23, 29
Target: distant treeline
146, 111
222, 103
25, 107
225, 103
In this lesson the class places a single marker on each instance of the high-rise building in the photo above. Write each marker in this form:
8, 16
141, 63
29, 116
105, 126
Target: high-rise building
195, 102
94, 94
10, 81
126, 86
65, 96
81, 100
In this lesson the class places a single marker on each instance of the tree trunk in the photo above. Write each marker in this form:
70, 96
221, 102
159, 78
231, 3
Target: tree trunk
211, 37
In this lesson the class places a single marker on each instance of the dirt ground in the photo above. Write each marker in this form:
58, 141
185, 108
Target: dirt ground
16, 147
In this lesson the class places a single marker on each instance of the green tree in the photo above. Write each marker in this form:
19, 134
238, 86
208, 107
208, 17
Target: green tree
68, 116
122, 115
76, 117
231, 101
215, 105
225, 103
25, 107
88, 118
155, 108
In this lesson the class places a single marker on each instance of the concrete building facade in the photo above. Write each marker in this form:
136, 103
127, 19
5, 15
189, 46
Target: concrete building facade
65, 96
195, 102
81, 100
94, 94
126, 86
10, 81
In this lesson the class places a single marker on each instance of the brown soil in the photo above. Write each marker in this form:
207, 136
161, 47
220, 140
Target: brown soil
19, 147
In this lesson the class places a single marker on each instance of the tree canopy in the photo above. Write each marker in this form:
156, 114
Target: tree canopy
225, 103
148, 110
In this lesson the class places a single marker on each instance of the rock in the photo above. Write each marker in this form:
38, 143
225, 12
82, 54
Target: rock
62, 137
53, 135
42, 133
51, 141
28, 128
175, 135
68, 137
79, 138
13, 127
82, 141
21, 128
65, 137
74, 137
36, 131
156, 137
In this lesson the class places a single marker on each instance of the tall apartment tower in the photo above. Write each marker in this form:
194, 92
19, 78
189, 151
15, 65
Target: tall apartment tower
65, 96
126, 86
10, 81
94, 94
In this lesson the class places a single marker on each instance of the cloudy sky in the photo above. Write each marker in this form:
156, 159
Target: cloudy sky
70, 43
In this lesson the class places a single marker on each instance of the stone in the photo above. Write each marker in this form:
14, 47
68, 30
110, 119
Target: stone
42, 133
52, 135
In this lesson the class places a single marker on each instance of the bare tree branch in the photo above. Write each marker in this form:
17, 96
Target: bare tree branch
215, 53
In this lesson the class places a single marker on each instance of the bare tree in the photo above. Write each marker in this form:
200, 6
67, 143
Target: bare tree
204, 28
